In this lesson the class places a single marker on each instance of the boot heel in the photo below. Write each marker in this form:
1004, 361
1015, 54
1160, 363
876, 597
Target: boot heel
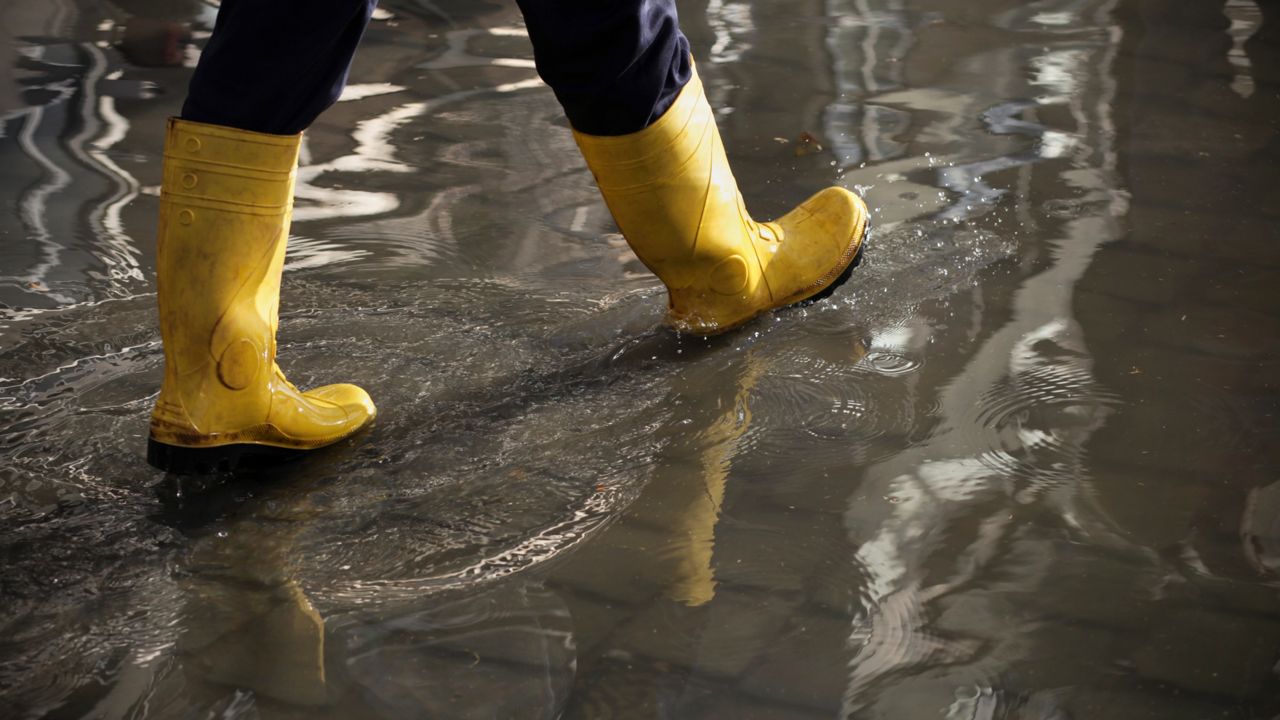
221, 459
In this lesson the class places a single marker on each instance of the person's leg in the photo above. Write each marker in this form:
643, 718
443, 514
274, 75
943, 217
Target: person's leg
615, 66
622, 71
272, 66
226, 197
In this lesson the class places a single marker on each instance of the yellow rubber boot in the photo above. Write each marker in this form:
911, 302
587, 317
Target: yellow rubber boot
674, 197
225, 204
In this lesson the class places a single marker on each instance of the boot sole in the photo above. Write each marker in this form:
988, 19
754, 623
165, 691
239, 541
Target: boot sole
212, 460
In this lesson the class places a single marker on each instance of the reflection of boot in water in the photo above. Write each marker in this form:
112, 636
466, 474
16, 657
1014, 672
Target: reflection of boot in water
694, 521
664, 542
225, 204
676, 201
667, 536
247, 622
266, 639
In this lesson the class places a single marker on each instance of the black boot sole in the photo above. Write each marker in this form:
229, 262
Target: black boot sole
212, 460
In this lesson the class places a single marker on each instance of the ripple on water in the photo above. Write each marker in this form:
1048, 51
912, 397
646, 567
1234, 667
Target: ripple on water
506, 651
889, 362
823, 410
894, 638
428, 531
399, 245
833, 409
506, 436
1036, 421
1062, 208
503, 442
1048, 406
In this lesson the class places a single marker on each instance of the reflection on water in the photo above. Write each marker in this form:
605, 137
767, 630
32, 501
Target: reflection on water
1022, 466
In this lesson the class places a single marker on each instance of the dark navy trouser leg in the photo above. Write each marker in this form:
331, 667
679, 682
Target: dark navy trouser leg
615, 65
273, 66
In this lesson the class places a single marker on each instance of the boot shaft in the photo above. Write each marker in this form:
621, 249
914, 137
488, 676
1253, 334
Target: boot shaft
225, 202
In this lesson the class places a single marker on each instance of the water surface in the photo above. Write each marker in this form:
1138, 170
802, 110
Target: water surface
1022, 466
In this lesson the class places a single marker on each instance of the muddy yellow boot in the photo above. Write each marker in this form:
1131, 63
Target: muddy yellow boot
225, 204
672, 194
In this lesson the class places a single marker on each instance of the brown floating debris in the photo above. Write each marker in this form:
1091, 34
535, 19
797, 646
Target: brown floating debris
807, 144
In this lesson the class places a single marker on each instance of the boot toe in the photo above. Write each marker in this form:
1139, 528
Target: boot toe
822, 237
830, 222
352, 398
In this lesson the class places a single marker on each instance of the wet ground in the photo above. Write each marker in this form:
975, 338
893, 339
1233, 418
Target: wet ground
1024, 465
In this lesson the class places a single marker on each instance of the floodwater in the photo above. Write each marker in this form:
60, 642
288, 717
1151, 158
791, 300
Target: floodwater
1025, 465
